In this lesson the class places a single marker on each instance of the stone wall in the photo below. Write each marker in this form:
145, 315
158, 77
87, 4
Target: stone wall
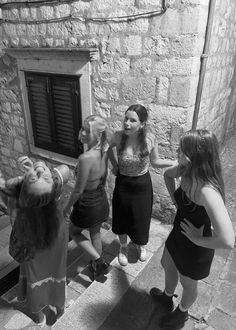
218, 105
150, 58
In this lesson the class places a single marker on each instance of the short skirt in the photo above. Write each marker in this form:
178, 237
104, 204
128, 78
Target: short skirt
91, 209
191, 260
132, 207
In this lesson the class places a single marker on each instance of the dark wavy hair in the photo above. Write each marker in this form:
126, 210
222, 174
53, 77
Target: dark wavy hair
39, 218
202, 152
142, 113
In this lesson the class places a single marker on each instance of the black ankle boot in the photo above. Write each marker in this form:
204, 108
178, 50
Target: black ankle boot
174, 320
163, 299
99, 267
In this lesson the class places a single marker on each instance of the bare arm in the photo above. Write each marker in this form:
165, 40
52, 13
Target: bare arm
114, 141
156, 161
169, 177
223, 236
81, 181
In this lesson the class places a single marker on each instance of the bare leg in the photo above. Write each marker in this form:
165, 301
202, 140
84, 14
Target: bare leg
84, 242
190, 292
171, 273
95, 236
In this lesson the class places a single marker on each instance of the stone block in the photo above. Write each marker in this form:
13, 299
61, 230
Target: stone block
92, 308
132, 45
46, 12
156, 45
121, 66
230, 274
18, 146
24, 13
141, 66
13, 319
62, 10
183, 91
163, 89
100, 93
226, 299
10, 29
139, 89
202, 305
183, 67
221, 321
138, 26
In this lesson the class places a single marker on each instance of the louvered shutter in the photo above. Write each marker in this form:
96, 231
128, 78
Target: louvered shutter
54, 102
39, 109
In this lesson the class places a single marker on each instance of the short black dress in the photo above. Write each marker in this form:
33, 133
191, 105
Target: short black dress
190, 259
91, 209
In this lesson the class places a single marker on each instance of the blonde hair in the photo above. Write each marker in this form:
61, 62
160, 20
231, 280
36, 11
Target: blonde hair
98, 129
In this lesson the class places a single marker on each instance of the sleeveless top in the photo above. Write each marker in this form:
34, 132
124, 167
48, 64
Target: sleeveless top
135, 165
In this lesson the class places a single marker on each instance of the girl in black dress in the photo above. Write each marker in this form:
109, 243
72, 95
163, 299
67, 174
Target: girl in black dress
189, 249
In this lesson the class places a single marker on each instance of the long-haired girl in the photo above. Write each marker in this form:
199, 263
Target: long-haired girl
39, 236
88, 198
189, 249
132, 200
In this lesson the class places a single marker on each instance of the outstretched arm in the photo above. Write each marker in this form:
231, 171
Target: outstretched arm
112, 144
82, 178
156, 161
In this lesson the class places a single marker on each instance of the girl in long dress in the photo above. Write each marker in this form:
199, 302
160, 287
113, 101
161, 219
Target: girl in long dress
39, 236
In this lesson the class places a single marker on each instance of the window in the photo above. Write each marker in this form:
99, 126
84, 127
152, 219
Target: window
54, 104
56, 94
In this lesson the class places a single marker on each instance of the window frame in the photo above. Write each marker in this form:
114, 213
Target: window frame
50, 80
70, 62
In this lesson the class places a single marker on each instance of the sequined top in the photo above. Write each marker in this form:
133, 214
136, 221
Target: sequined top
135, 165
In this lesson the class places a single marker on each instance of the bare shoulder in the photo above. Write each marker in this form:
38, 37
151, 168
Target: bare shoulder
208, 195
86, 158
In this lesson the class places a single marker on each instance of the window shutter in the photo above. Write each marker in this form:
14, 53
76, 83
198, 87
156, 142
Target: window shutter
39, 108
66, 105
54, 102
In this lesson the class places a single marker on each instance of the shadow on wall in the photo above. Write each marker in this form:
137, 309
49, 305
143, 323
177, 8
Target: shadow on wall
229, 125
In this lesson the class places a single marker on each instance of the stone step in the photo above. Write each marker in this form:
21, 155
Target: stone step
83, 295
97, 301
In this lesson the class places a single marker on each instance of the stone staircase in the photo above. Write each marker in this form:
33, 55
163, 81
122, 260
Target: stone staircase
88, 303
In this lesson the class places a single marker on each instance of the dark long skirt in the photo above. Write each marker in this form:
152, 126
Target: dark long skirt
132, 207
91, 209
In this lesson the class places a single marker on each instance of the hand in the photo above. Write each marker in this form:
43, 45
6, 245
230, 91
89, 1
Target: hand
25, 163
193, 233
